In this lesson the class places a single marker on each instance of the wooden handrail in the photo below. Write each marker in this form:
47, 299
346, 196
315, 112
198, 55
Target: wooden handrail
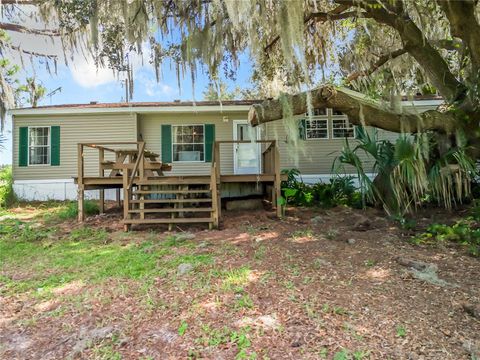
90, 144
99, 147
243, 141
137, 163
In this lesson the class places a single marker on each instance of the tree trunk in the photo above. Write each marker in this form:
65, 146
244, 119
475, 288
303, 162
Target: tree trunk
360, 111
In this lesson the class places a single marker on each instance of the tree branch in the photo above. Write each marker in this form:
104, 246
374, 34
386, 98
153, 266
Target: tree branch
20, 2
464, 25
448, 44
381, 61
422, 51
32, 53
328, 16
26, 30
359, 109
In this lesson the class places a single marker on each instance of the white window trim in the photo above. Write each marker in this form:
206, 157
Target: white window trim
192, 161
317, 117
49, 146
343, 117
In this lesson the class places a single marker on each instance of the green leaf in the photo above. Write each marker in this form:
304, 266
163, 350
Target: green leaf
182, 328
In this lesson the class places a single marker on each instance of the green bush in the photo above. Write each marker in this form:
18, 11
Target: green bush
70, 211
339, 191
7, 196
465, 232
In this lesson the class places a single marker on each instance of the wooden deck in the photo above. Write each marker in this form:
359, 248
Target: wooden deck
148, 192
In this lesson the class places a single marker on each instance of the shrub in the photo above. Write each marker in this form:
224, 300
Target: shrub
70, 211
339, 191
410, 171
465, 232
7, 196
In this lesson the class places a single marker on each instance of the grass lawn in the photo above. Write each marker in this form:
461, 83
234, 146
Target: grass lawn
309, 286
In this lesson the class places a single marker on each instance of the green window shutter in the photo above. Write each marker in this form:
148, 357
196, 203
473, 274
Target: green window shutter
209, 140
166, 143
302, 129
55, 146
23, 146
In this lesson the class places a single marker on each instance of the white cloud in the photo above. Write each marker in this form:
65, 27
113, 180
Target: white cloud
86, 74
146, 79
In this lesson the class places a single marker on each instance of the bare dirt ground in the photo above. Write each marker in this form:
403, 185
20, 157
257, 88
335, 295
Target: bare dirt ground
316, 284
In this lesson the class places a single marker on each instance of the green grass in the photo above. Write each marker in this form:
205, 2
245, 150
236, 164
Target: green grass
50, 262
48, 258
69, 210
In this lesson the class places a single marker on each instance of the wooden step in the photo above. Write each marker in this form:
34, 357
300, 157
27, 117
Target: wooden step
170, 210
168, 221
168, 201
199, 191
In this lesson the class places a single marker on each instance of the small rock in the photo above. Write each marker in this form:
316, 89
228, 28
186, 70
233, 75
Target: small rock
184, 268
351, 241
184, 236
296, 343
472, 310
317, 220
88, 338
362, 224
472, 348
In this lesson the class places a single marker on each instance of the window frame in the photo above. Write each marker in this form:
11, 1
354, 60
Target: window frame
313, 118
175, 143
48, 146
343, 118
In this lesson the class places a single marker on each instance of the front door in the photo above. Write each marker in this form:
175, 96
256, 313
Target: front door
246, 155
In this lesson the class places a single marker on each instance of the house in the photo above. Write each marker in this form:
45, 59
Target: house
49, 164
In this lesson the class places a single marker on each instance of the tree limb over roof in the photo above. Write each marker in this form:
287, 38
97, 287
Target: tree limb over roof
360, 110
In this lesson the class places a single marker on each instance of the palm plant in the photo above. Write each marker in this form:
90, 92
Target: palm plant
409, 171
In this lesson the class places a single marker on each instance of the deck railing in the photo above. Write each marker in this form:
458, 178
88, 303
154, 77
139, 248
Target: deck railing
135, 170
270, 165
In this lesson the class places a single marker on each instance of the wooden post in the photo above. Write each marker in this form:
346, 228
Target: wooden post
101, 159
81, 189
214, 191
117, 198
142, 204
216, 159
126, 202
278, 181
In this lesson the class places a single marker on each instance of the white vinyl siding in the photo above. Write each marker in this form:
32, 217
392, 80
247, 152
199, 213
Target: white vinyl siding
149, 126
74, 129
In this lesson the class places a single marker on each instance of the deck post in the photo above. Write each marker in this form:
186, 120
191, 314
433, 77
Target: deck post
126, 199
101, 159
117, 198
214, 191
278, 180
80, 186
216, 154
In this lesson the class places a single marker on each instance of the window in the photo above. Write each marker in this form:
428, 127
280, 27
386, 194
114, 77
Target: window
342, 128
39, 146
188, 143
317, 129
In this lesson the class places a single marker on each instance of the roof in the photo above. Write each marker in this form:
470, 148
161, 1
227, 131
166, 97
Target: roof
139, 107
97, 105
174, 106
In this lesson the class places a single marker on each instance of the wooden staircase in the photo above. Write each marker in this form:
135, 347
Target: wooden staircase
150, 197
171, 200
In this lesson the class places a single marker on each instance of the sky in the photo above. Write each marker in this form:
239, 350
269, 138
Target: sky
81, 81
